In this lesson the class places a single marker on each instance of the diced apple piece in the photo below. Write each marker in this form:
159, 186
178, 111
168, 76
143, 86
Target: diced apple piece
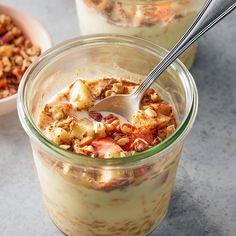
114, 151
44, 120
144, 119
99, 129
80, 96
84, 128
107, 148
58, 135
163, 108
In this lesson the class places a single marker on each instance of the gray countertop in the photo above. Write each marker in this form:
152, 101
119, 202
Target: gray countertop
204, 199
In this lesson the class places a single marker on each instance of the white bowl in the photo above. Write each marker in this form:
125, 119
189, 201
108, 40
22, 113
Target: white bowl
33, 31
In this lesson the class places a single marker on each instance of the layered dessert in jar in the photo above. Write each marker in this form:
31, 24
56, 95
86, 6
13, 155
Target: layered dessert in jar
161, 21
101, 174
106, 201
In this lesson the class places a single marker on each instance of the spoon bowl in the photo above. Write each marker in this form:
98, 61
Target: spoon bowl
124, 105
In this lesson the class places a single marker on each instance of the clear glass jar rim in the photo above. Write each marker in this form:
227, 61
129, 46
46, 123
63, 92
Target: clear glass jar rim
67, 156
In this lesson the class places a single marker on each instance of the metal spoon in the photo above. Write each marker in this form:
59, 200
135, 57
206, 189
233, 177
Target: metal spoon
127, 105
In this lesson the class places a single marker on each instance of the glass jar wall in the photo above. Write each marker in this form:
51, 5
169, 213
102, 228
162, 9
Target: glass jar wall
95, 196
162, 21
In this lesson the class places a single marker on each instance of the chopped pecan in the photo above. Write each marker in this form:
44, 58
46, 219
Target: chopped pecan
122, 141
127, 128
14, 59
2, 30
110, 118
140, 145
112, 127
7, 37
3, 82
163, 108
95, 115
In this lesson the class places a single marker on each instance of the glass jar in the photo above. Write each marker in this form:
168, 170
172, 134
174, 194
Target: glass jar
118, 196
161, 21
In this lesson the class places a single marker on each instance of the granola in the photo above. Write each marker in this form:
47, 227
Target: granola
16, 54
66, 121
127, 13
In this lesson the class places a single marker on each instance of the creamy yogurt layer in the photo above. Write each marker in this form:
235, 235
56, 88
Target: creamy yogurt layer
125, 202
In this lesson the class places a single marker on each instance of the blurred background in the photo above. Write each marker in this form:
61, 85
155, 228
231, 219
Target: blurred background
204, 199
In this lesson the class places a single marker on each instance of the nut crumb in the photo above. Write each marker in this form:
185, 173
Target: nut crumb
16, 55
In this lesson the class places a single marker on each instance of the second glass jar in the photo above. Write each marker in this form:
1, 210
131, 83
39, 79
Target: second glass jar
160, 21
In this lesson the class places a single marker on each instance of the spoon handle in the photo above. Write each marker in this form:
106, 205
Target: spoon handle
212, 12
